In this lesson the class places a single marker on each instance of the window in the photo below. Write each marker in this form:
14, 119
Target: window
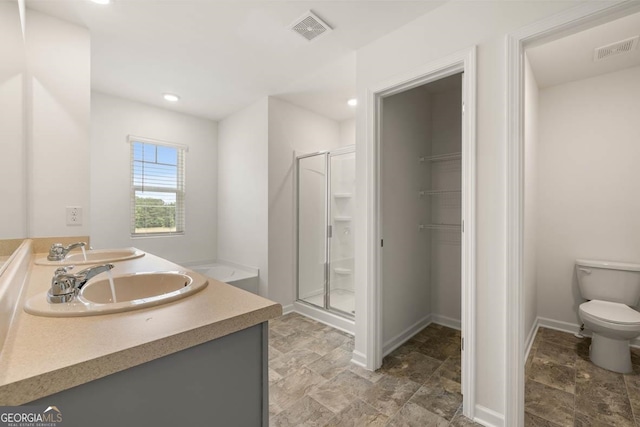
157, 187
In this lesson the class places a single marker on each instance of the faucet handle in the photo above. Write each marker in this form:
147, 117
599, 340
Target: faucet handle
63, 270
63, 286
56, 252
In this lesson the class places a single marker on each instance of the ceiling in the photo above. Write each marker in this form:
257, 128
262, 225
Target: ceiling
220, 56
571, 58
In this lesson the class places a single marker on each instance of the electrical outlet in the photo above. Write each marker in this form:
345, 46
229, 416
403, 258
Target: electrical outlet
74, 215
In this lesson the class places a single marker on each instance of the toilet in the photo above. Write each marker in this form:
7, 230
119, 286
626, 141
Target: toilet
612, 288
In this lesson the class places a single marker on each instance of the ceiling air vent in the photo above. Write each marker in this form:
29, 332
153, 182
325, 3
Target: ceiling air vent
310, 26
617, 48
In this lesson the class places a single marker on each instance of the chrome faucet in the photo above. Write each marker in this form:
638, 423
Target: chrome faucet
57, 252
65, 286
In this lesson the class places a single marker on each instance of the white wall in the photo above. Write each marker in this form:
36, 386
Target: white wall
243, 188
442, 32
291, 129
256, 213
406, 128
12, 144
347, 132
113, 119
588, 183
530, 196
58, 60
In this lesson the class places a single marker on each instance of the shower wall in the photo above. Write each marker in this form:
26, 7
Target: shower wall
342, 207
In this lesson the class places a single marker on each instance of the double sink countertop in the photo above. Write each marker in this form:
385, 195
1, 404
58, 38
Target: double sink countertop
45, 355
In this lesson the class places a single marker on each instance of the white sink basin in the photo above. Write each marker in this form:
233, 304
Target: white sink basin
142, 286
130, 292
99, 256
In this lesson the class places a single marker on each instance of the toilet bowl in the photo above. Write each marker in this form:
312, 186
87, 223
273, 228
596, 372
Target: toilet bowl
613, 325
612, 289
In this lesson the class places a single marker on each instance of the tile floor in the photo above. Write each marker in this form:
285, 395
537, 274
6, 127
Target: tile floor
313, 383
563, 388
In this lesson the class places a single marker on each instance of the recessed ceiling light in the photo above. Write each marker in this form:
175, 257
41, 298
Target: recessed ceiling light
101, 1
171, 97
352, 102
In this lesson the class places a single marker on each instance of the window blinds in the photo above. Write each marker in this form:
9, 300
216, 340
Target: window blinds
157, 187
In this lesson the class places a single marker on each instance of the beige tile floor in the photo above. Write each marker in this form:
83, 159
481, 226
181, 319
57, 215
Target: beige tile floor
313, 383
563, 387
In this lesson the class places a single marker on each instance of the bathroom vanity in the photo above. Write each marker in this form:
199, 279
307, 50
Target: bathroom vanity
200, 360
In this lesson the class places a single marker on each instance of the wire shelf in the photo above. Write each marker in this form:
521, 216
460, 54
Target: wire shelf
438, 192
441, 157
450, 227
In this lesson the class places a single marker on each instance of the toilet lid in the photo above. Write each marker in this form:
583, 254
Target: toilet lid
611, 312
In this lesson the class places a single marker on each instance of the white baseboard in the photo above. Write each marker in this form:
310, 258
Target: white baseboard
359, 359
530, 338
572, 328
558, 325
326, 317
286, 309
446, 321
404, 336
488, 417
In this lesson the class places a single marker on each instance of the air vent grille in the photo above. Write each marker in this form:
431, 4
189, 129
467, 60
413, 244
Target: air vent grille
617, 48
310, 26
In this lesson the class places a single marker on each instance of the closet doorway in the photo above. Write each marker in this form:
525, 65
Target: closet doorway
421, 224
424, 218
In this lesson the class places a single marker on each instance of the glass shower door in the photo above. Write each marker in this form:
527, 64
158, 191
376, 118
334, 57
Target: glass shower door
312, 229
342, 182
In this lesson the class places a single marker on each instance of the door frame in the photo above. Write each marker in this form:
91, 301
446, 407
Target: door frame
462, 61
565, 23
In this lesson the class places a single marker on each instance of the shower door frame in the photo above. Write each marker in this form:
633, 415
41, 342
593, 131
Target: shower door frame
324, 154
327, 246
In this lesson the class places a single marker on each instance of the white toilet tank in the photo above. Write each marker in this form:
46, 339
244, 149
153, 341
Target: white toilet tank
609, 281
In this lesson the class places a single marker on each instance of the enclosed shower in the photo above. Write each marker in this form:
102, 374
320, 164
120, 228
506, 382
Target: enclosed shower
325, 202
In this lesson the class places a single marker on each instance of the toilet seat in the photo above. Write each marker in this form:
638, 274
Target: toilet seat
611, 312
